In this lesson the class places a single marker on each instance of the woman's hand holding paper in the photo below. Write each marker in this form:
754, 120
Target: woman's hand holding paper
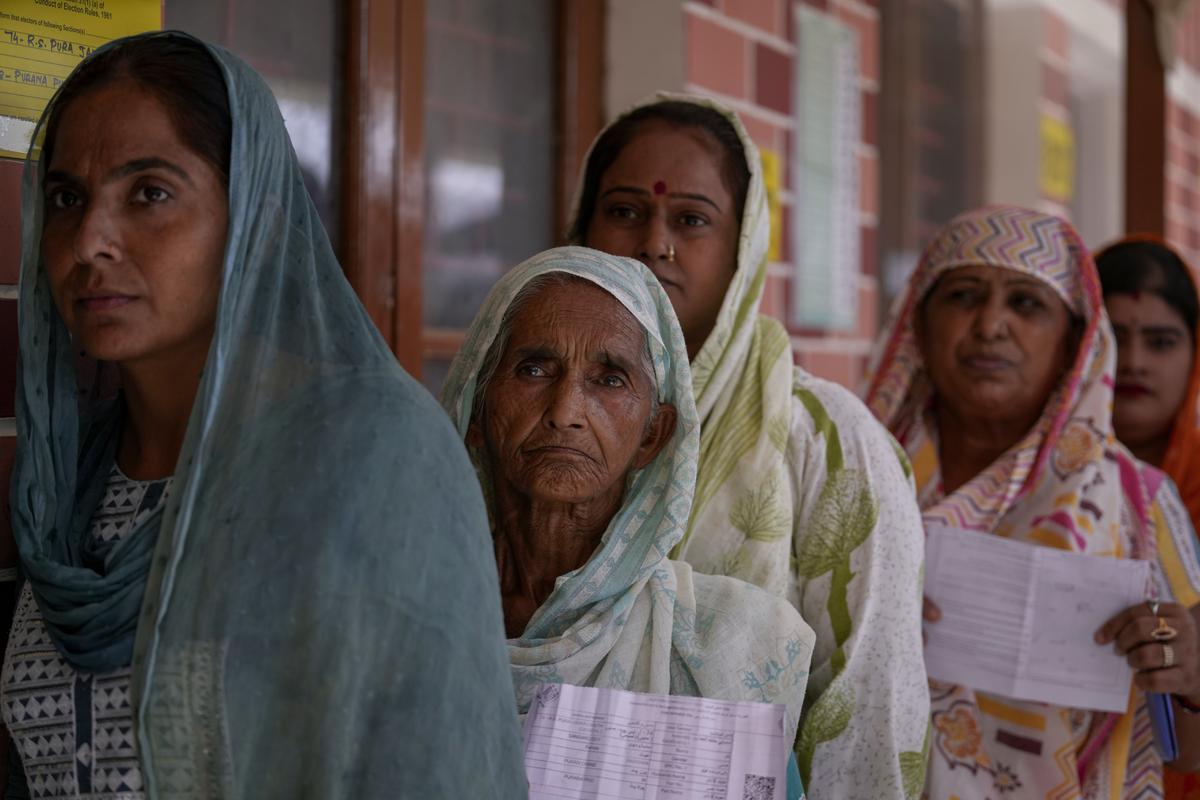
1161, 647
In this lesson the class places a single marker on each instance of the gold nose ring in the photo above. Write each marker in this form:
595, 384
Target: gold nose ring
671, 252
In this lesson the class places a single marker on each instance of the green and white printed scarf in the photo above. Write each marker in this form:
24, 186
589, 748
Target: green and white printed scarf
630, 618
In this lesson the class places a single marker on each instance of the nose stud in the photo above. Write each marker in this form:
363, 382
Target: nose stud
671, 252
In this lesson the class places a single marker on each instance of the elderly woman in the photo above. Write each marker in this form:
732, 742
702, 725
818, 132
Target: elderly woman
996, 377
228, 564
799, 490
1153, 305
573, 393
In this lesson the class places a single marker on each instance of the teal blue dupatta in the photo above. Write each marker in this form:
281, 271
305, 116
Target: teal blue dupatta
315, 612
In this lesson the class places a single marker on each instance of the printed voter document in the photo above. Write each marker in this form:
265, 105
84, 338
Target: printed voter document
1018, 619
583, 743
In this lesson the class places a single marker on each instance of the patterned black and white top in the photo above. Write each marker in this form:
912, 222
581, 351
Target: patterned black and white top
74, 731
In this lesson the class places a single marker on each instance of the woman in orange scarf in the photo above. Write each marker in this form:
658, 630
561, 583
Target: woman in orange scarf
1153, 305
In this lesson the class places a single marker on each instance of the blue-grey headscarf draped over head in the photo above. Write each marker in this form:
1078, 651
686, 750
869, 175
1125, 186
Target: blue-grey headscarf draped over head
320, 580
630, 618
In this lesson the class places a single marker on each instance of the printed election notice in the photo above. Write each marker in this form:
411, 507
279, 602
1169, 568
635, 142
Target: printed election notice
583, 743
1018, 619
41, 41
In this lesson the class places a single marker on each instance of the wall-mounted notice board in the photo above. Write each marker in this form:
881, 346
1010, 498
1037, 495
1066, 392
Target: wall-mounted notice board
41, 41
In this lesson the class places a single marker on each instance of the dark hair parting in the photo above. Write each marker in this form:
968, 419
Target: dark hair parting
677, 114
1138, 266
180, 72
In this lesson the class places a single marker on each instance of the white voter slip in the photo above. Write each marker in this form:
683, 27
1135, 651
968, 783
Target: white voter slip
583, 743
1018, 619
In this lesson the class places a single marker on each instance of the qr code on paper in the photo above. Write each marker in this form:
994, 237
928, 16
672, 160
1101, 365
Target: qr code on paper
758, 787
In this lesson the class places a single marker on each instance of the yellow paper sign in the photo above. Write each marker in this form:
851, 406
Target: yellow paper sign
41, 41
772, 182
1057, 176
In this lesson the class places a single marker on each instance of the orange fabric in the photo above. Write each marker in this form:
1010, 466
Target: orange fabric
1182, 464
1178, 786
1182, 461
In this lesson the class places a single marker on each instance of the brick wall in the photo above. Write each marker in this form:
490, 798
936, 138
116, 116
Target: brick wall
1183, 142
741, 52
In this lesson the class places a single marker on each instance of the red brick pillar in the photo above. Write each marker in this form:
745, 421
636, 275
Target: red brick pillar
1182, 169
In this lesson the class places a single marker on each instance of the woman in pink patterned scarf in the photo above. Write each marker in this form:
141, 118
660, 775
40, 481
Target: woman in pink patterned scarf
996, 377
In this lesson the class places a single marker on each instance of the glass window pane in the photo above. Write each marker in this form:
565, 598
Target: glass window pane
930, 139
489, 149
1093, 108
296, 46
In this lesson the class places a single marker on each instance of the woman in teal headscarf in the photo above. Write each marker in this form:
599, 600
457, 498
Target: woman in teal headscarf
231, 564
574, 395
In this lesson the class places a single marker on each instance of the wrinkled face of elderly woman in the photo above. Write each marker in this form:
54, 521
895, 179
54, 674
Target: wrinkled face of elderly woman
134, 231
996, 343
568, 411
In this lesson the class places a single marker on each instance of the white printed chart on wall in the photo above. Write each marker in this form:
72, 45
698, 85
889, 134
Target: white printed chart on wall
825, 225
41, 41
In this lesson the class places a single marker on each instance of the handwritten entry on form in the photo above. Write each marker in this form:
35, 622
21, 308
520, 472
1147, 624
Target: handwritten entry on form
1018, 619
41, 41
583, 743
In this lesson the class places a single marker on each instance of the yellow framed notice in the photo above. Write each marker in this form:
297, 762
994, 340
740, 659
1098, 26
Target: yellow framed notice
41, 41
773, 182
1057, 173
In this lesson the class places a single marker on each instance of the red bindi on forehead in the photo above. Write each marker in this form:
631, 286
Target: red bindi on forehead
660, 187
